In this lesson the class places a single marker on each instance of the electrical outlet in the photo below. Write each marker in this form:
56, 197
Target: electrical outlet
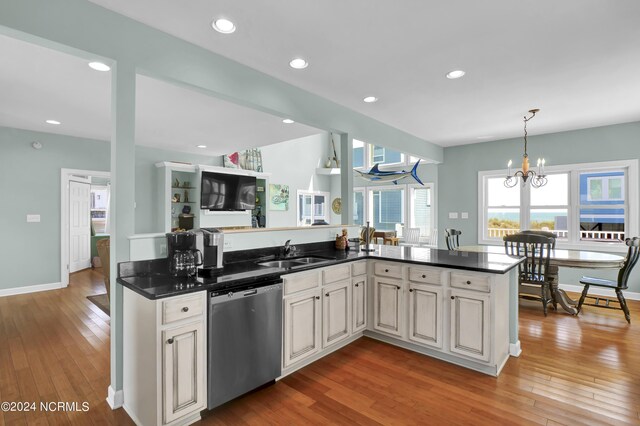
464, 215
33, 218
453, 215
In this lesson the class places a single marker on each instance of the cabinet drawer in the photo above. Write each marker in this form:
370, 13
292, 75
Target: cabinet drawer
428, 276
470, 282
300, 282
179, 309
336, 273
358, 268
388, 270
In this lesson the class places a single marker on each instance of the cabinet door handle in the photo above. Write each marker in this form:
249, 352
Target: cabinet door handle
185, 309
397, 287
357, 285
453, 298
386, 270
468, 282
326, 294
318, 297
410, 290
424, 276
170, 341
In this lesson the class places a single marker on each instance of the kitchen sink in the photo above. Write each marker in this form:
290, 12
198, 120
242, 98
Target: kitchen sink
282, 263
295, 262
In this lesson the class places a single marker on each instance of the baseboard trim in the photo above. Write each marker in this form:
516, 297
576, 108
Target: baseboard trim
631, 295
115, 399
515, 349
30, 289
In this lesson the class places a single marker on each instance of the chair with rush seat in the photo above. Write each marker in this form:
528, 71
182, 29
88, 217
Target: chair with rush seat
452, 238
534, 270
618, 285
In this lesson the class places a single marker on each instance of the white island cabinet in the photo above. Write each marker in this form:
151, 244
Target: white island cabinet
164, 358
456, 315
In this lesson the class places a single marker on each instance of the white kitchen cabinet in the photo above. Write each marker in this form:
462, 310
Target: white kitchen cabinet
302, 326
183, 366
336, 312
164, 358
470, 324
425, 314
359, 298
388, 306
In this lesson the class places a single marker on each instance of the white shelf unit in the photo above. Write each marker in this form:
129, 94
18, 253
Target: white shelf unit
169, 210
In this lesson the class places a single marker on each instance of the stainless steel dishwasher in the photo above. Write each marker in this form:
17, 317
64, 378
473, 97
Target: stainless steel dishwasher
245, 340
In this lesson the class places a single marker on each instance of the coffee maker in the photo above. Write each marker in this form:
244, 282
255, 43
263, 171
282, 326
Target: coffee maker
210, 241
183, 254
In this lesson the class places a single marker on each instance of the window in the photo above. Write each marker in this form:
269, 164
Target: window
386, 207
312, 207
358, 154
421, 213
358, 206
99, 208
583, 203
382, 155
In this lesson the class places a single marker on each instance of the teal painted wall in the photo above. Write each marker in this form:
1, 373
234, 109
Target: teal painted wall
30, 184
458, 174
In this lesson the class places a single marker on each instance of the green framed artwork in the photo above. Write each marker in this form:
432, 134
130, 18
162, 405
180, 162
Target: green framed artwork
278, 197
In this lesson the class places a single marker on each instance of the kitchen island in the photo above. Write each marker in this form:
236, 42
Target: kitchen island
457, 306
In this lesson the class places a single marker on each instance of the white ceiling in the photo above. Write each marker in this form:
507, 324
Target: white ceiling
577, 60
37, 84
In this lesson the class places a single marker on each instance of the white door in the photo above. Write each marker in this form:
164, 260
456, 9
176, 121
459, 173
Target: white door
183, 371
79, 226
302, 331
359, 296
470, 324
425, 314
388, 305
336, 313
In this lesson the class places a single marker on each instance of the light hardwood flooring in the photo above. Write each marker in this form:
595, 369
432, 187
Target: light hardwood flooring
54, 346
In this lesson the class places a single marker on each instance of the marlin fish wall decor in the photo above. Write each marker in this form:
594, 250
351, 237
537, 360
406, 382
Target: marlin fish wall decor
376, 175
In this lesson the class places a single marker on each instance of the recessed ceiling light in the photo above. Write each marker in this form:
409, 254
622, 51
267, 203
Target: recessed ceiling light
223, 26
201, 146
56, 122
370, 99
455, 74
298, 63
288, 121
99, 66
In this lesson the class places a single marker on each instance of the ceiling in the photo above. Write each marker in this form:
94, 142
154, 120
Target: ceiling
39, 84
577, 60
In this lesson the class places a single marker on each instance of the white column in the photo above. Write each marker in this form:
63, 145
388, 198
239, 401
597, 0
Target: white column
346, 177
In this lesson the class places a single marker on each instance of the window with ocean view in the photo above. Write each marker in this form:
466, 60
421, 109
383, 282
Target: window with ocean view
582, 203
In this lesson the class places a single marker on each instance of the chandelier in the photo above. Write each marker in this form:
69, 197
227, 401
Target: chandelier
535, 179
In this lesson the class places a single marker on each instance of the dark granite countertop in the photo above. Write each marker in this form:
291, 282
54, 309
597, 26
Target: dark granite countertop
152, 280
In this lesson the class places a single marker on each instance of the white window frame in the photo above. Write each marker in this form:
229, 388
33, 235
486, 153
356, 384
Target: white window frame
573, 241
363, 190
368, 158
605, 188
369, 198
314, 218
434, 214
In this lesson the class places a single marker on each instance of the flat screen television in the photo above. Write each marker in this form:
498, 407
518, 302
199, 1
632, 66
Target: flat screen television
222, 191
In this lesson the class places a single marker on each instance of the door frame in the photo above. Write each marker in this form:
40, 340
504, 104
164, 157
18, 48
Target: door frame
67, 175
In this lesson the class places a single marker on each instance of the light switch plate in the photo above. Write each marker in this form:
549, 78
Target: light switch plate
464, 215
453, 215
33, 218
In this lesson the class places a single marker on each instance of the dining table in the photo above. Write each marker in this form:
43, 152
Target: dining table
564, 258
388, 237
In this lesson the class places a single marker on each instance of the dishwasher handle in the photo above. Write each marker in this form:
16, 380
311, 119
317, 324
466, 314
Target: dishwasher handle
216, 298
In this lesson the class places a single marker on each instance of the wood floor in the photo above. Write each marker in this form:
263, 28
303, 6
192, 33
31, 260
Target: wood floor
54, 346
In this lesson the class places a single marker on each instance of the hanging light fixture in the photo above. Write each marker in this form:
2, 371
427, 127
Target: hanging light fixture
535, 179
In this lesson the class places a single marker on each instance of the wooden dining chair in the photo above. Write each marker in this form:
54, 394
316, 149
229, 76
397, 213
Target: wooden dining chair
552, 272
104, 248
534, 270
452, 238
617, 285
